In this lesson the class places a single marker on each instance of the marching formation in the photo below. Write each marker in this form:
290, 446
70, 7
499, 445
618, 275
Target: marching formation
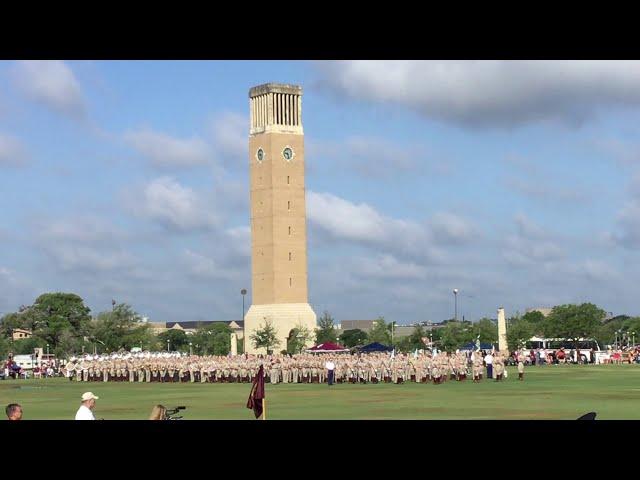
302, 368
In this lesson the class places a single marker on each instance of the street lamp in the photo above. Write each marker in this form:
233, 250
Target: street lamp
47, 352
113, 304
633, 335
455, 296
167, 345
243, 292
190, 351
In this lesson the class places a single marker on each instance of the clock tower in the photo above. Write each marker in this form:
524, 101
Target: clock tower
278, 215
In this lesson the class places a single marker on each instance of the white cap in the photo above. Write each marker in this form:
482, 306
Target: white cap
89, 396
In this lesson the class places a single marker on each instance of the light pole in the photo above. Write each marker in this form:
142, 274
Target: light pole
47, 352
113, 304
243, 292
455, 296
167, 345
633, 341
190, 350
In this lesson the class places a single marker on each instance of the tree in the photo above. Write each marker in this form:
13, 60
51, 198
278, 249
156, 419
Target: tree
454, 335
412, 342
574, 321
11, 321
26, 346
415, 339
212, 339
353, 337
120, 328
265, 337
178, 340
55, 313
518, 333
326, 331
5, 347
487, 330
380, 332
298, 339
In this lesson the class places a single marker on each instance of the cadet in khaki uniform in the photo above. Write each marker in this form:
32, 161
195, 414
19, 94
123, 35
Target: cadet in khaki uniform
521, 366
498, 365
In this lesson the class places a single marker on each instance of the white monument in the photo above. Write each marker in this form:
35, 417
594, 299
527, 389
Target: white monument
502, 331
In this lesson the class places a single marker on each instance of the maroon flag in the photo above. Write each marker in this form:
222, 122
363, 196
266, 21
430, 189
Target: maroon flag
257, 393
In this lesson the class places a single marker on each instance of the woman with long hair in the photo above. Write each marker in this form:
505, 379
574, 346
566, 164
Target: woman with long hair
159, 412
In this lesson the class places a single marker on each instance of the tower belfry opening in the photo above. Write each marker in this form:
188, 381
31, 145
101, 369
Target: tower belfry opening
276, 165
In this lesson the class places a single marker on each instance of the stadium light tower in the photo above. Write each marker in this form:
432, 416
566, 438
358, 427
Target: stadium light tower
455, 296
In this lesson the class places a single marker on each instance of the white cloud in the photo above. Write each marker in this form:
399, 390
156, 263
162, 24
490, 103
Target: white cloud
489, 93
627, 233
387, 266
364, 225
84, 243
12, 152
344, 219
52, 83
597, 270
545, 190
175, 206
531, 245
165, 151
203, 267
230, 135
450, 228
89, 258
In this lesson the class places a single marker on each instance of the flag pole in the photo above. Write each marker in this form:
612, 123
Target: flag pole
264, 409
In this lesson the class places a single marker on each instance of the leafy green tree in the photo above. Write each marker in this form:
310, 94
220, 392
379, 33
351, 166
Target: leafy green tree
518, 333
415, 339
212, 339
353, 337
380, 332
120, 328
574, 321
178, 340
535, 317
326, 331
298, 339
11, 321
454, 335
26, 346
5, 347
487, 330
55, 313
265, 337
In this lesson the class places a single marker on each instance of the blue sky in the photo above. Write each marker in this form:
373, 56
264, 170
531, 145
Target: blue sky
515, 182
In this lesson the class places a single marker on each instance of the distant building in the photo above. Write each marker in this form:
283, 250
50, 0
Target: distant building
19, 334
364, 325
543, 310
237, 326
428, 325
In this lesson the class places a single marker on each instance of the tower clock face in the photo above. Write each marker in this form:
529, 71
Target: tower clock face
288, 154
260, 154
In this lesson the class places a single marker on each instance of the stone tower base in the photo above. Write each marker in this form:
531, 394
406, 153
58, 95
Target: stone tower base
283, 316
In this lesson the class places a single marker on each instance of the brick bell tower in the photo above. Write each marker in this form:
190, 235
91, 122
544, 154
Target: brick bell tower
278, 214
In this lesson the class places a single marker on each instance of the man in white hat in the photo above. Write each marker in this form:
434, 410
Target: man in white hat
88, 404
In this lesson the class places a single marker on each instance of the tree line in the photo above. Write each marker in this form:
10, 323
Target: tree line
65, 324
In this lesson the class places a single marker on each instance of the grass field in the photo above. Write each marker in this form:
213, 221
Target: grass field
550, 392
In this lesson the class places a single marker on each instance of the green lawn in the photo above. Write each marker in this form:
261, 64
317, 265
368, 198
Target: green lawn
550, 392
